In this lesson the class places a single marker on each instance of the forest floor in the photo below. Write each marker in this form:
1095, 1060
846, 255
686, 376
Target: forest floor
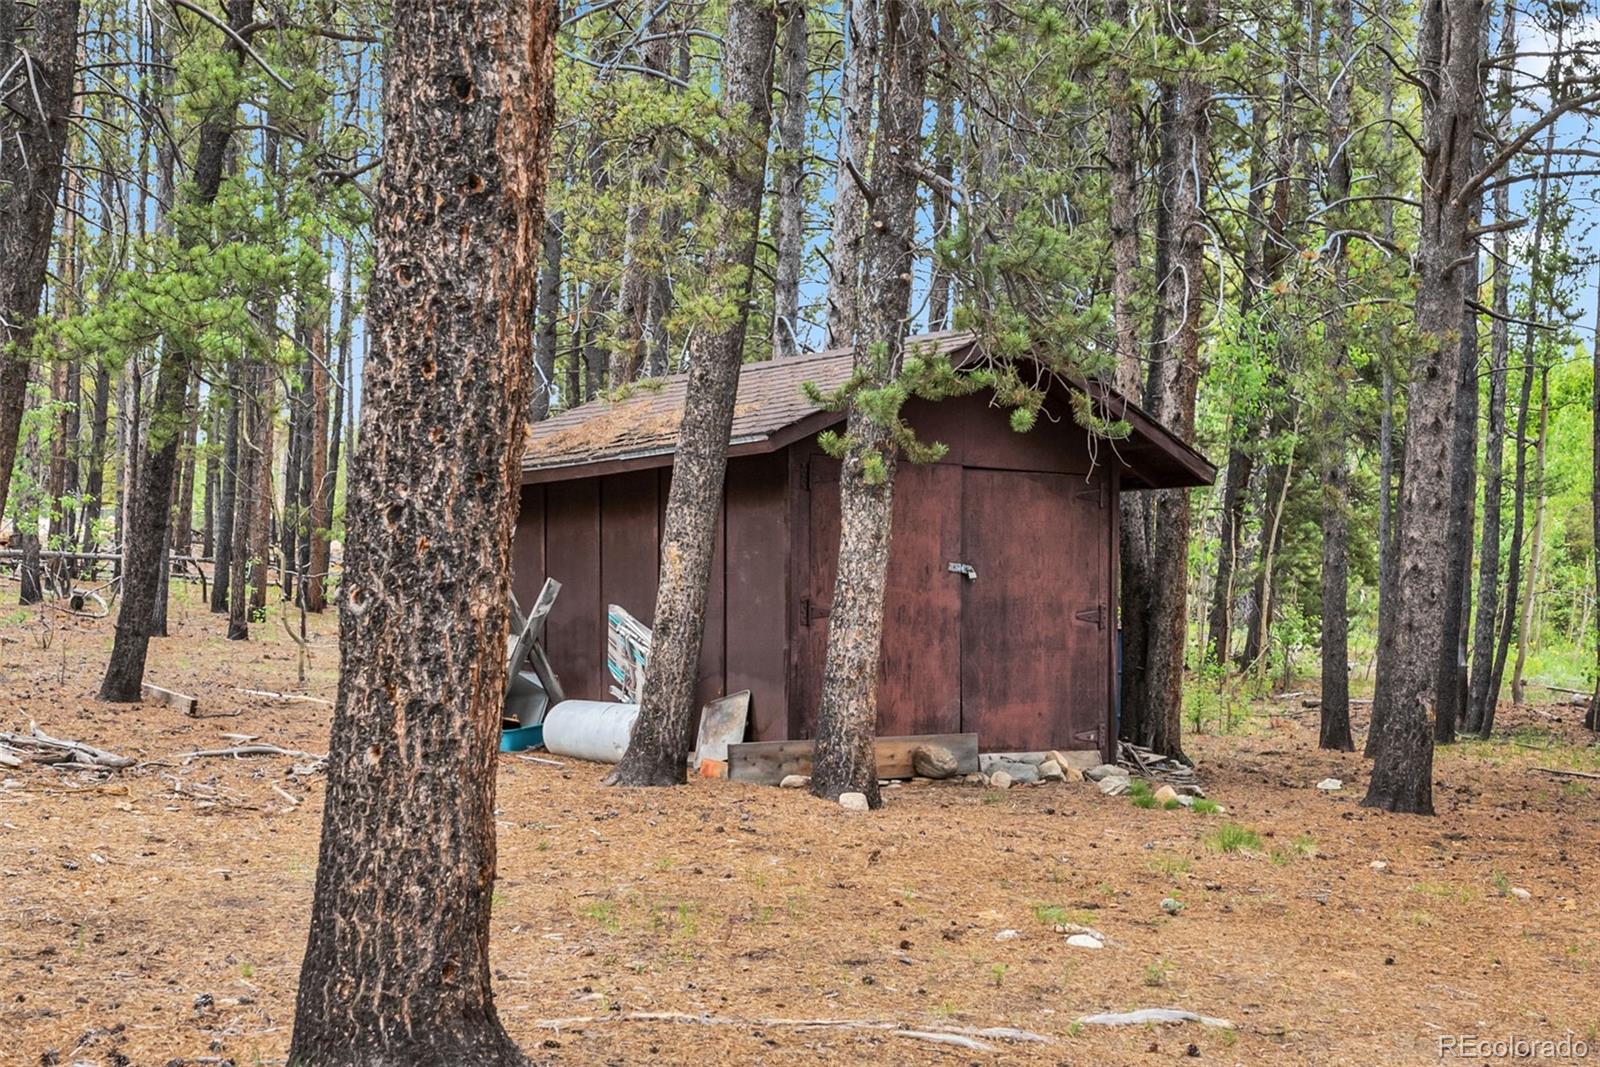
157, 915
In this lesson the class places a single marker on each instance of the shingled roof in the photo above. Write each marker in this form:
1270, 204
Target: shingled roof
772, 411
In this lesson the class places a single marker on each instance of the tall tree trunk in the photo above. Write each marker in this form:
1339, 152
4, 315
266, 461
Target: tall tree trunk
227, 502
208, 503
1335, 731
320, 482
548, 315
1183, 298
34, 127
847, 715
250, 439
95, 466
396, 969
146, 544
658, 751
1592, 720
1408, 656
794, 83
1483, 635
260, 530
1123, 217
1512, 602
856, 91
1536, 541
942, 201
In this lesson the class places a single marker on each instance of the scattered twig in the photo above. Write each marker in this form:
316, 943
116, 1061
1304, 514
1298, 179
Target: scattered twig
1560, 773
250, 750
294, 801
288, 698
1145, 1016
37, 742
945, 1035
541, 759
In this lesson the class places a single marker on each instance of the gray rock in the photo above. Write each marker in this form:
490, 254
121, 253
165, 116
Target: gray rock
1105, 770
1050, 771
1114, 787
853, 801
1022, 773
795, 781
1171, 905
1147, 1016
1007, 935
975, 779
1520, 893
999, 780
1330, 785
1085, 941
934, 761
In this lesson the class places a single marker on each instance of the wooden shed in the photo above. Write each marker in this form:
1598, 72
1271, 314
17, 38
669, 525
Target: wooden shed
1000, 616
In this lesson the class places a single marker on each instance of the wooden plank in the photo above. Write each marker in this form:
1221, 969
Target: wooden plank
187, 704
768, 762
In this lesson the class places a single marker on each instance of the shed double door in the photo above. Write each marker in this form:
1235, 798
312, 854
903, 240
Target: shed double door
1019, 653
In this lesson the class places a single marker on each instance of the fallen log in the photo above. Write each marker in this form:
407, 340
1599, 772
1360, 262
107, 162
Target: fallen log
36, 740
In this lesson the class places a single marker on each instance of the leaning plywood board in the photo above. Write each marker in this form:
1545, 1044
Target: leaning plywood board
722, 723
768, 762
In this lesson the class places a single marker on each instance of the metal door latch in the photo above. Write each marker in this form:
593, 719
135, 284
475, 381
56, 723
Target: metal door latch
964, 569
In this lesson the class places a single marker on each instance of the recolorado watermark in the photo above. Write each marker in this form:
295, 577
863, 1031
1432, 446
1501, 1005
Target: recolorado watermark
1566, 1048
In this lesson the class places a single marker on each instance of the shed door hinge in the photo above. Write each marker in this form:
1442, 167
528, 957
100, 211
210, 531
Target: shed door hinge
1096, 615
809, 612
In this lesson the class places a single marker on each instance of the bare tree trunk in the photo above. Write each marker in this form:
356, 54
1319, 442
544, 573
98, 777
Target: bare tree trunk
548, 316
847, 715
146, 543
320, 490
658, 751
95, 472
794, 83
227, 508
259, 554
1483, 636
1510, 607
34, 128
396, 969
249, 440
1408, 657
1335, 725
1183, 297
939, 192
1536, 541
1592, 720
1133, 551
856, 91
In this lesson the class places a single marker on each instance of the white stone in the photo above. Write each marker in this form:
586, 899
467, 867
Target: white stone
1007, 935
1050, 771
853, 801
1520, 893
1114, 787
1085, 941
795, 781
1105, 770
1000, 780
1378, 865
1330, 785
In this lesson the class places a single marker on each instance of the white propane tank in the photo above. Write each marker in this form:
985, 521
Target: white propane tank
589, 729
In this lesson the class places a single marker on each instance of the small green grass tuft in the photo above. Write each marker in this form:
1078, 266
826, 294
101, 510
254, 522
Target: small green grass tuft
1204, 806
1231, 837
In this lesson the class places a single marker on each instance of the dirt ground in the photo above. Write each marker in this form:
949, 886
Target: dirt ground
157, 915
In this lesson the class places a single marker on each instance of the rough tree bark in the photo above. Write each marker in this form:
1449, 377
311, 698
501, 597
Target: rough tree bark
657, 753
1335, 725
1491, 697
1183, 297
314, 583
222, 569
1133, 551
847, 715
145, 543
249, 446
1483, 634
856, 91
1408, 654
548, 315
396, 969
33, 131
794, 81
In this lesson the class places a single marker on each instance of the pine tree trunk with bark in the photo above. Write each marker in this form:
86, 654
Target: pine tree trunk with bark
320, 483
34, 126
146, 539
794, 80
1408, 656
396, 970
856, 92
847, 714
1184, 302
658, 752
222, 569
1335, 718
548, 314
